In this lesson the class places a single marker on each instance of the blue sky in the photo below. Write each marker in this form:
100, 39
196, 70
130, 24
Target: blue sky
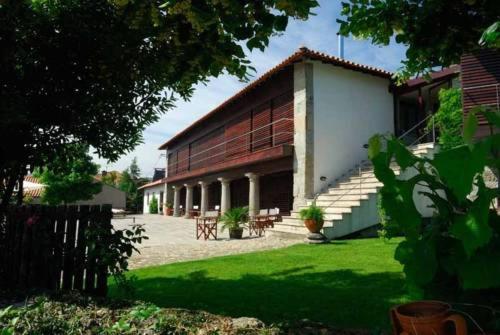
318, 33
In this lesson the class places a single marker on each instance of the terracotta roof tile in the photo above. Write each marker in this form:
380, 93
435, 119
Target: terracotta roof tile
154, 183
301, 54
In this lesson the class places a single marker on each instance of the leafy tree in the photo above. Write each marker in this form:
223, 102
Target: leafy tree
129, 186
449, 118
99, 72
111, 178
67, 181
436, 33
133, 169
459, 248
153, 206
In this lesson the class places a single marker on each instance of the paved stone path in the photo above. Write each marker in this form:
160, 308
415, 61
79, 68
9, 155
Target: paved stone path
174, 240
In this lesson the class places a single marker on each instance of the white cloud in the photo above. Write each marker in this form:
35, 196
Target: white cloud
318, 33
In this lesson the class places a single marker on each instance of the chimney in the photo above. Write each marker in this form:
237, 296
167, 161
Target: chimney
340, 39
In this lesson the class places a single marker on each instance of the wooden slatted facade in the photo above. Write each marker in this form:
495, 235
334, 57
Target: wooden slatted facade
480, 74
260, 120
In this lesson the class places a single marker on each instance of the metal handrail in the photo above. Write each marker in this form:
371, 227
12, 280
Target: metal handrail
233, 139
362, 179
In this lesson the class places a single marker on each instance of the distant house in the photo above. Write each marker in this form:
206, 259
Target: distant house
33, 190
154, 189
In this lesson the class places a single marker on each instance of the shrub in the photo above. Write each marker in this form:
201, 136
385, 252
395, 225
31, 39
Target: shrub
312, 212
448, 119
153, 206
234, 218
458, 250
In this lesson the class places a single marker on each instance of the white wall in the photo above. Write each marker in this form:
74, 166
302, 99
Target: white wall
150, 191
108, 195
349, 107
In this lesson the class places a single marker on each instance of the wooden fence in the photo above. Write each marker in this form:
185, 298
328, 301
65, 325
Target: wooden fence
47, 247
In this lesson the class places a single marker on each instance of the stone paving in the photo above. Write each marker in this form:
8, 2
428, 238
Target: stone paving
174, 240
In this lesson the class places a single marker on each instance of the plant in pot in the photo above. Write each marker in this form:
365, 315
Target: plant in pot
313, 217
168, 209
234, 220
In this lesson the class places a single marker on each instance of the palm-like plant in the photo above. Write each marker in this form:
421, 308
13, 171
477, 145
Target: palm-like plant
234, 218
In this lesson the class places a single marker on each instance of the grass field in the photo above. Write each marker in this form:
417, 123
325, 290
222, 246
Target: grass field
347, 284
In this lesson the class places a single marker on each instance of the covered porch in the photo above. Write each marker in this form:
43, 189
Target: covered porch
268, 184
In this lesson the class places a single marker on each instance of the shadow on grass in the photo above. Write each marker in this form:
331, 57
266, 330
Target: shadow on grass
341, 298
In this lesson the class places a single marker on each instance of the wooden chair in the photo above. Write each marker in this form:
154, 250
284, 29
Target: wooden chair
274, 216
206, 225
258, 223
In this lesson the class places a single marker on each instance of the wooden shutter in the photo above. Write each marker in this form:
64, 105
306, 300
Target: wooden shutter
237, 135
261, 127
283, 119
183, 160
207, 150
172, 164
480, 75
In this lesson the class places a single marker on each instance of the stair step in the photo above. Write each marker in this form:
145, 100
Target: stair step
327, 197
334, 209
328, 216
363, 191
337, 203
362, 185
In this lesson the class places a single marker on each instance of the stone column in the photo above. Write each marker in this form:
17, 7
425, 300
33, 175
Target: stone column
225, 195
177, 200
165, 196
189, 199
303, 140
204, 197
254, 194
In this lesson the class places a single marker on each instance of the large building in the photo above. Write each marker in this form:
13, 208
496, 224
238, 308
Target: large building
298, 133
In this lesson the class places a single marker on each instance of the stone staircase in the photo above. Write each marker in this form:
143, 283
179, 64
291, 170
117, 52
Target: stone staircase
350, 206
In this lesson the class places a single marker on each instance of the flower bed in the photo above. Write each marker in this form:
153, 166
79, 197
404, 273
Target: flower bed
74, 314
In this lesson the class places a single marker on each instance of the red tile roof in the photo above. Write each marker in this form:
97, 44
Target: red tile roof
154, 183
415, 83
34, 192
31, 179
301, 54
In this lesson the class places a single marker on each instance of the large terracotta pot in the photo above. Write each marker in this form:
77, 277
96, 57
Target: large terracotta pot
427, 318
168, 211
313, 226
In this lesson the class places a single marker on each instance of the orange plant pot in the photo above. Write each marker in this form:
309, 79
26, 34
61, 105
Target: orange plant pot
427, 318
313, 226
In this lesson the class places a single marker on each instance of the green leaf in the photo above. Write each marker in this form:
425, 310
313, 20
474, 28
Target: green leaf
472, 231
374, 146
403, 156
470, 127
457, 167
419, 260
492, 117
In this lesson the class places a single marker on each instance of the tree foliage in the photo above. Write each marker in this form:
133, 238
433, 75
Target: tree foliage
67, 181
459, 248
436, 33
153, 205
449, 118
98, 72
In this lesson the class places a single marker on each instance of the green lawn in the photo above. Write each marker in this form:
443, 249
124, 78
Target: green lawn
348, 284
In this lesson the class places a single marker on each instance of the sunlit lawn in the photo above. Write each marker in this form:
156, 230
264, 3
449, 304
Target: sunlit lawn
348, 284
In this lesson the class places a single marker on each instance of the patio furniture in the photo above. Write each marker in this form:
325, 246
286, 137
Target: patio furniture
206, 225
193, 213
258, 223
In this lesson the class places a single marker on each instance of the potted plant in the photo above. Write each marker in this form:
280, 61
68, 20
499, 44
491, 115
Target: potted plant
427, 318
313, 217
234, 220
168, 209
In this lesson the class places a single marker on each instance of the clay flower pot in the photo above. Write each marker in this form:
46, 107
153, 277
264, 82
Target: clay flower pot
168, 211
313, 226
427, 318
